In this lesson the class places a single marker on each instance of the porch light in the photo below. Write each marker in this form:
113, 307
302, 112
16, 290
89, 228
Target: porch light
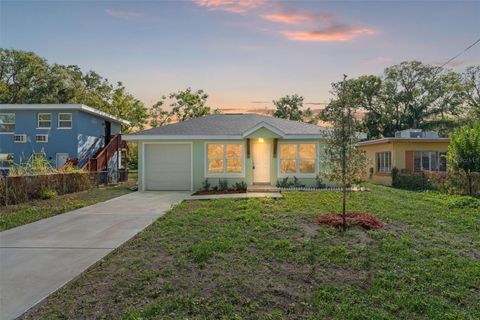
260, 140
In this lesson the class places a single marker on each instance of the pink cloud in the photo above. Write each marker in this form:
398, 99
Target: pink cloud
287, 18
288, 15
329, 34
235, 6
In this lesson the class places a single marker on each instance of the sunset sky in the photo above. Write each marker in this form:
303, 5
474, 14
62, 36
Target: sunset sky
243, 53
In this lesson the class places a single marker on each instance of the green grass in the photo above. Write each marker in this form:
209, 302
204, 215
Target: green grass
17, 215
266, 259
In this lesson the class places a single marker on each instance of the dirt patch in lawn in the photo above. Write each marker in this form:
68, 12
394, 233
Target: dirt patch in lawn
310, 230
362, 219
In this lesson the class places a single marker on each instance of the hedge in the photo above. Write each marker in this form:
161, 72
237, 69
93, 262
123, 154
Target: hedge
20, 189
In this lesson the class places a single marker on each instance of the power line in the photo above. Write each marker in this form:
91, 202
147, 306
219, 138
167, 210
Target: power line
459, 54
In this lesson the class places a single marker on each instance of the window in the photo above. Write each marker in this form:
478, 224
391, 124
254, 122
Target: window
44, 121
225, 159
64, 121
41, 138
298, 158
7, 123
429, 161
20, 138
384, 162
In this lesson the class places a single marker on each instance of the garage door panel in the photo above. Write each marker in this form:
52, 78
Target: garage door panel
168, 167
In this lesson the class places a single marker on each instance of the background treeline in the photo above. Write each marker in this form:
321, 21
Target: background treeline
408, 95
411, 95
28, 78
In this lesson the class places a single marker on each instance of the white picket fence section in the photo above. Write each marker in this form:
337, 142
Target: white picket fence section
326, 189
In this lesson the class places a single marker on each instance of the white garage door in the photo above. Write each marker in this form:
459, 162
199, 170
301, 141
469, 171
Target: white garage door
168, 167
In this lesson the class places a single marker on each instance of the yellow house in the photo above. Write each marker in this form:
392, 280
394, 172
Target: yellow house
410, 151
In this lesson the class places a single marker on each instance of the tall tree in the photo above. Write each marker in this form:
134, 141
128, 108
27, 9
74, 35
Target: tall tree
23, 77
343, 162
291, 107
27, 78
158, 116
411, 95
471, 90
188, 104
124, 105
464, 152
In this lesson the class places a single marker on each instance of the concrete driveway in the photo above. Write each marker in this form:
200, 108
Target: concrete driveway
38, 258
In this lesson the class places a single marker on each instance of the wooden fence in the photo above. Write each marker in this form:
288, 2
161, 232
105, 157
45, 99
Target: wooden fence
19, 189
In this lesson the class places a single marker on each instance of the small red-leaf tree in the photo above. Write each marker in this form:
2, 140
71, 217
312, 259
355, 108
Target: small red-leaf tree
342, 161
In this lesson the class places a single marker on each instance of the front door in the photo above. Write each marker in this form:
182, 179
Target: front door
261, 162
61, 159
108, 132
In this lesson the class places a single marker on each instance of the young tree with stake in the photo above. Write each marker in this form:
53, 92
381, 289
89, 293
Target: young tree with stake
343, 162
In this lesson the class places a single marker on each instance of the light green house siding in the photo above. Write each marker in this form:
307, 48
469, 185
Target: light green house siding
199, 159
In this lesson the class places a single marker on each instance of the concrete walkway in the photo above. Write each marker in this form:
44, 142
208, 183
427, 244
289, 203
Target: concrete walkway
237, 196
38, 258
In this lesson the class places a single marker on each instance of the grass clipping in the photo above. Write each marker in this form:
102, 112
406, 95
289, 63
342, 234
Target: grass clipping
362, 219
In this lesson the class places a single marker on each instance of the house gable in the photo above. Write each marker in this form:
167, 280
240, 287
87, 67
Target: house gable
263, 130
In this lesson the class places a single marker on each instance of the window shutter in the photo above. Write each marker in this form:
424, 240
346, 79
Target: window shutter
409, 161
248, 148
275, 144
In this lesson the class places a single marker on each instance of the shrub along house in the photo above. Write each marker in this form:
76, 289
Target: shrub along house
236, 147
410, 151
59, 132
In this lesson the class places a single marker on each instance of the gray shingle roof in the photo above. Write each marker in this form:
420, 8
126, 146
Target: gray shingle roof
232, 124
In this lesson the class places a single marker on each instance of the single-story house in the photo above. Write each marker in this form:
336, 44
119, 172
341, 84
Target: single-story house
410, 151
251, 148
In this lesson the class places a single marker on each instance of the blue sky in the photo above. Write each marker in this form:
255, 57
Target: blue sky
243, 53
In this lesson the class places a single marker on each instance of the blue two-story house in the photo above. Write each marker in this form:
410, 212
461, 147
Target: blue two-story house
58, 131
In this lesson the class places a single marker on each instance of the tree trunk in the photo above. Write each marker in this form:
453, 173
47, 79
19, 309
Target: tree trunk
470, 184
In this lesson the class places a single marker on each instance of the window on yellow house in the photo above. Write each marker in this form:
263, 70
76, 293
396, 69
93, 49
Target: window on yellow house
298, 158
384, 162
429, 161
225, 159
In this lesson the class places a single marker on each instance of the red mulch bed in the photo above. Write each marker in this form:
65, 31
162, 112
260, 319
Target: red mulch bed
202, 193
362, 219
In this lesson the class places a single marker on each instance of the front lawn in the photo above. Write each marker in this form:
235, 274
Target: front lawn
17, 215
266, 259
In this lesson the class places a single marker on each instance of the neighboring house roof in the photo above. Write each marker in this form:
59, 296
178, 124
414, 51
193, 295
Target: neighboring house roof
229, 126
61, 107
409, 140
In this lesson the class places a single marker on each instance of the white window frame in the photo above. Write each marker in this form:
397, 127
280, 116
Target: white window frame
297, 160
41, 135
14, 123
386, 156
58, 120
225, 174
24, 138
38, 120
430, 154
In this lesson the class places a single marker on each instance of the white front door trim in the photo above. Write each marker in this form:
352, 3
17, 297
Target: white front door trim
261, 173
